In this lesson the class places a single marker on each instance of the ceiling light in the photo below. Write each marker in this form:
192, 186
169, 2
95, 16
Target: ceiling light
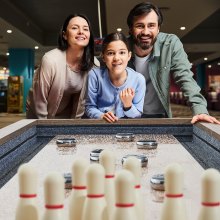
119, 29
182, 28
36, 47
205, 58
209, 66
9, 31
7, 54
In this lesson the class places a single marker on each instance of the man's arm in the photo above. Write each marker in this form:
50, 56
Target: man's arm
183, 76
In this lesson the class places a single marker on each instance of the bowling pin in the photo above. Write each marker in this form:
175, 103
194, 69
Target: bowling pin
54, 197
210, 209
173, 207
107, 160
27, 208
95, 207
125, 196
134, 166
78, 194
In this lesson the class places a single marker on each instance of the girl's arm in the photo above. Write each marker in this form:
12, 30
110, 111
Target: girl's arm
91, 106
136, 108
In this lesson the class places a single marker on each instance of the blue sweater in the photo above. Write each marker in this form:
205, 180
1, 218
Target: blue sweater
103, 96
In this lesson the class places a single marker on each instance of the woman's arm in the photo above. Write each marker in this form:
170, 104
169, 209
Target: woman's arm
41, 88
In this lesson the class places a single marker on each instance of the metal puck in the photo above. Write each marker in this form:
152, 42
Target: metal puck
124, 136
66, 142
147, 144
143, 158
94, 154
157, 182
68, 180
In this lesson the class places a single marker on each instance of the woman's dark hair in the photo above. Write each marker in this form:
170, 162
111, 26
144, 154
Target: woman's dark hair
114, 37
87, 61
141, 9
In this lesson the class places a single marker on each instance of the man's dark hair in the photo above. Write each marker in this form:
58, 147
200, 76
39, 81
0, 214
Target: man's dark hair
87, 61
141, 9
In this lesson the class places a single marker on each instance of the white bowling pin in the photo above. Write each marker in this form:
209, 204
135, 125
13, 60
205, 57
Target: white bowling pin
134, 165
125, 196
78, 194
210, 209
95, 207
54, 197
173, 205
27, 207
107, 159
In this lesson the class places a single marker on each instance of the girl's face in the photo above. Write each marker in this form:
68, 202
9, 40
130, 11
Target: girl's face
116, 57
77, 32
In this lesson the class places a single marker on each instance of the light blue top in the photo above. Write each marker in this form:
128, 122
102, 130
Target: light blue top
103, 96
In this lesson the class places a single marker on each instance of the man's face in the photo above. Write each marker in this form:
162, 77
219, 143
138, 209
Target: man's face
144, 30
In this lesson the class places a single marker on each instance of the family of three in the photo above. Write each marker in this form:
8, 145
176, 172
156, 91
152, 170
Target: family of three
134, 82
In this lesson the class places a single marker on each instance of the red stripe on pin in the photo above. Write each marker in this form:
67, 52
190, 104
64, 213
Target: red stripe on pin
137, 186
27, 196
53, 206
95, 196
109, 176
79, 187
210, 204
174, 195
120, 205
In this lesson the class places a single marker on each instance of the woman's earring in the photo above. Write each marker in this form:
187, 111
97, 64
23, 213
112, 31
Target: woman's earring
64, 35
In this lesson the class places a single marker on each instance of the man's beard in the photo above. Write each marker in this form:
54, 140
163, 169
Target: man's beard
143, 45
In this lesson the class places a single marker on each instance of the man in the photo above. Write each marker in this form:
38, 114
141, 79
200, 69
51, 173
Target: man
158, 55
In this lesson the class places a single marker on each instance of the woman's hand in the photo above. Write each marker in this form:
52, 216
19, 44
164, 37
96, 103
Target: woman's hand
109, 117
204, 118
127, 96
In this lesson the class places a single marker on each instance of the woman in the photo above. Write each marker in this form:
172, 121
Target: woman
115, 91
60, 82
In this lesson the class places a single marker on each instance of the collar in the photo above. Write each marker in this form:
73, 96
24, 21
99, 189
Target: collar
106, 74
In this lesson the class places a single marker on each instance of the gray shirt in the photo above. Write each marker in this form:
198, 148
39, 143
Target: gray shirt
152, 104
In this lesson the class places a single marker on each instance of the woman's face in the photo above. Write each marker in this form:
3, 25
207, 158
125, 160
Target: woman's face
116, 57
77, 32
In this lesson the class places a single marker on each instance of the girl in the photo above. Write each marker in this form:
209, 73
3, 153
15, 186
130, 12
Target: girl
115, 91
60, 83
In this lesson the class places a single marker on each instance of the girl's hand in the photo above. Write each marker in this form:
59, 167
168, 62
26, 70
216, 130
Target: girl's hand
109, 117
127, 96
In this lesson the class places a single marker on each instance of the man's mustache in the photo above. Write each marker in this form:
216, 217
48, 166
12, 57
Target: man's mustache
144, 35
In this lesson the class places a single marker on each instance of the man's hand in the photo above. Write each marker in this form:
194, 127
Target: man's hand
109, 117
127, 96
204, 118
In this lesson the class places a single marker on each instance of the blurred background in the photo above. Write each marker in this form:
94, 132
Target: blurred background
29, 28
